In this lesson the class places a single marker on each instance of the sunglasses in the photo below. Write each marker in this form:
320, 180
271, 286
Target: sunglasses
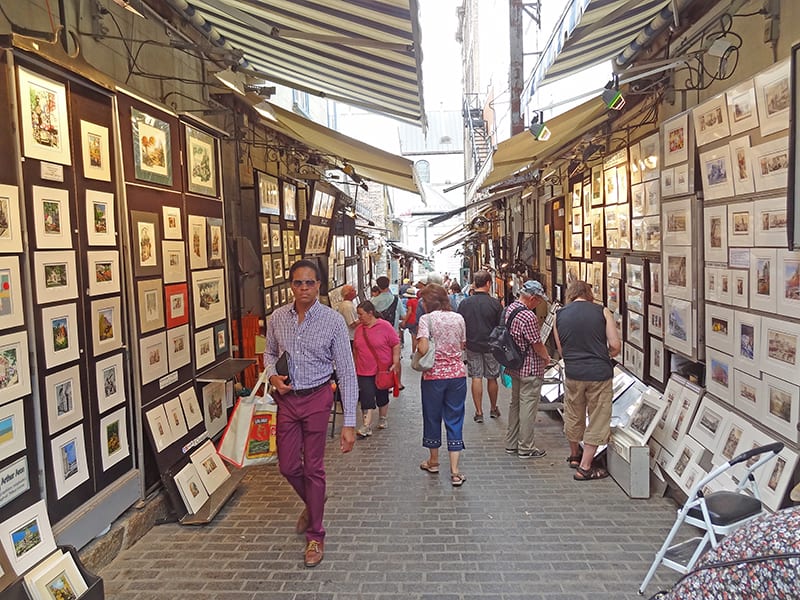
303, 282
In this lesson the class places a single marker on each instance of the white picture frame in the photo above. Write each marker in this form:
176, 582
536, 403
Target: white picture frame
644, 416
64, 398
678, 272
779, 348
52, 220
198, 244
638, 200
676, 139
174, 257
634, 333
781, 406
63, 575
719, 327
656, 285
109, 382
208, 296
153, 357
69, 465
763, 279
191, 488
15, 531
742, 166
740, 288
688, 452
204, 352
742, 108
741, 224
210, 467
95, 144
667, 182
11, 234
683, 185
719, 374
652, 233
679, 329
677, 223
191, 408
788, 291
215, 414
773, 98
101, 222
747, 392
178, 347
15, 368
61, 334
657, 360
45, 121
771, 222
171, 226
177, 421
709, 422
12, 429
649, 151
655, 320
672, 392
159, 427
150, 301
104, 272
106, 325
715, 168
12, 311
746, 342
711, 120
771, 164
775, 478
56, 276
731, 441
113, 437
716, 233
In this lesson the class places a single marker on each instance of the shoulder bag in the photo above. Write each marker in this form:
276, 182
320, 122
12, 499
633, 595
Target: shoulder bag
424, 362
384, 378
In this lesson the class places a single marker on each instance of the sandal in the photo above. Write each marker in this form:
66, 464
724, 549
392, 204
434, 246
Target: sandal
574, 461
592, 473
429, 466
457, 479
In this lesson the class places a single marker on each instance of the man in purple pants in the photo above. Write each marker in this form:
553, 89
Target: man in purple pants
315, 340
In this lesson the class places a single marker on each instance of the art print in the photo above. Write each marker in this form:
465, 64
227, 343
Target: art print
649, 150
289, 191
676, 140
178, 347
208, 292
677, 220
109, 383
216, 244
634, 299
678, 280
742, 111
683, 185
27, 538
746, 342
655, 316
638, 200
779, 344
775, 478
64, 400
153, 357
657, 360
763, 279
201, 154
587, 242
198, 244
614, 266
635, 329
11, 308
667, 182
741, 162
151, 304
558, 243
709, 422
788, 282
612, 296
711, 120
174, 256
268, 194
61, 334
771, 222
773, 98
719, 327
597, 227
146, 243
95, 143
771, 164
715, 167
12, 429
688, 453
576, 245
266, 269
610, 185
191, 408
10, 227
655, 283
104, 274
317, 241
177, 422
45, 122
597, 185
277, 268
740, 224
577, 220
679, 332
719, 374
740, 287
577, 195
716, 233
221, 338
152, 148
52, 222
176, 300
204, 353
107, 324
69, 465
171, 217
114, 445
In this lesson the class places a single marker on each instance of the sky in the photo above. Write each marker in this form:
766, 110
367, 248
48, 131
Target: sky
441, 54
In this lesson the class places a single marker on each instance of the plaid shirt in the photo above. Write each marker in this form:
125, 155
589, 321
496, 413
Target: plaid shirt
316, 346
525, 331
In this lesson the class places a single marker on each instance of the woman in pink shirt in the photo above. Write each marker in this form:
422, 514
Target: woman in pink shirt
376, 346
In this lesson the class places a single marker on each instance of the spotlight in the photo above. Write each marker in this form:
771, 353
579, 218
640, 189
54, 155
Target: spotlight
265, 91
538, 129
612, 97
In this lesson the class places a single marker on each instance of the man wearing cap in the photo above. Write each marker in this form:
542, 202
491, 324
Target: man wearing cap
587, 338
481, 313
347, 309
526, 383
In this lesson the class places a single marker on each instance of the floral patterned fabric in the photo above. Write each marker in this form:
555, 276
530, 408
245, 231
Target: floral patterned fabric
449, 333
770, 578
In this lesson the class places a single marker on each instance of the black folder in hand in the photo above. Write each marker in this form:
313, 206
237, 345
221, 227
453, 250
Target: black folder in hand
282, 366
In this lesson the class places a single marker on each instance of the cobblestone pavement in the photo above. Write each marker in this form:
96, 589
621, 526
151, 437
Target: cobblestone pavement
516, 529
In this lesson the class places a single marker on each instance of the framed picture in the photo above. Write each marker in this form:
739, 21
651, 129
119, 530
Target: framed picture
597, 228
177, 421
201, 162
740, 224
715, 167
558, 243
51, 215
771, 222
719, 327
174, 255
153, 356
649, 150
658, 362
107, 324
178, 352
275, 237
10, 226
110, 382
771, 164
782, 404
655, 320
12, 311
638, 200
70, 467
746, 342
742, 164
635, 329
214, 407
27, 538
576, 246
633, 359
667, 182
95, 151
104, 273
776, 477
192, 490
264, 228
277, 268
709, 422
177, 304
146, 244
779, 342
610, 185
12, 429
577, 220
763, 280
268, 194
114, 438
689, 452
676, 139
64, 400
719, 374
285, 297
634, 299
45, 122
171, 217
773, 98
652, 233
209, 466
198, 244
679, 332
742, 111
634, 273
221, 338
152, 148
652, 198
655, 282
788, 282
191, 408
61, 334
716, 238
740, 287
683, 184
208, 293
645, 414
678, 278
204, 353
677, 215
14, 368
101, 228
730, 441
267, 302
55, 274
747, 391
597, 185
635, 163
614, 266
266, 267
216, 245
289, 190
711, 120
159, 426
276, 297
151, 304
577, 195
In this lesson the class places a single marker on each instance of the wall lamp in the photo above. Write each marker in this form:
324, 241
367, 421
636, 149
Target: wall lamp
231, 79
538, 129
611, 95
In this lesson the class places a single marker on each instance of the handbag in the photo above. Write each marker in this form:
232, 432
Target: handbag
249, 438
384, 378
424, 362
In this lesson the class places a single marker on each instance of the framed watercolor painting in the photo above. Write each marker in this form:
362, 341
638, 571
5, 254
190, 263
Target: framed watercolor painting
114, 438
208, 293
171, 221
159, 427
109, 382
746, 342
15, 379
146, 244
678, 278
10, 226
719, 327
771, 222
711, 120
201, 165
677, 218
95, 144
679, 331
152, 148
178, 344
150, 300
719, 374
101, 228
782, 406
107, 324
788, 283
153, 357
216, 242
776, 477
221, 338
191, 407
69, 465
709, 422
763, 279
740, 224
104, 274
742, 111
268, 194
742, 166
12, 312
64, 400
289, 193
177, 421
773, 98
204, 353
676, 139
174, 256
12, 429
177, 304
715, 167
771, 164
747, 390
52, 222
61, 334
27, 537
198, 242
45, 122
716, 233
779, 348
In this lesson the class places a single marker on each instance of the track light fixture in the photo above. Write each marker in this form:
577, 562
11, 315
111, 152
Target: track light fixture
538, 129
612, 97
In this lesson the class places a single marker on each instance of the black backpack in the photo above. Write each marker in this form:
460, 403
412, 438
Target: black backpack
389, 313
502, 345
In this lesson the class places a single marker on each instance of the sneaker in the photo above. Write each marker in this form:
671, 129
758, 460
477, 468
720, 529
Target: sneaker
535, 453
478, 418
494, 413
382, 424
364, 431
511, 450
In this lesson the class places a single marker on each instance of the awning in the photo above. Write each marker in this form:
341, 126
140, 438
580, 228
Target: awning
523, 150
593, 31
369, 162
398, 248
462, 209
463, 239
454, 231
365, 54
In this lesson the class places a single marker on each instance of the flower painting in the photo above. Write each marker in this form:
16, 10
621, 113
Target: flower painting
152, 148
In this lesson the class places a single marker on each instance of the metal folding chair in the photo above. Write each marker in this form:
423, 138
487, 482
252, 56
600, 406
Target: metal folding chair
717, 513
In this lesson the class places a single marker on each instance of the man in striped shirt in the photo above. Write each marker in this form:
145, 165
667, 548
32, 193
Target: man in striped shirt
315, 340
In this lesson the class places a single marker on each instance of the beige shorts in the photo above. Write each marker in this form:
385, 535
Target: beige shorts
592, 399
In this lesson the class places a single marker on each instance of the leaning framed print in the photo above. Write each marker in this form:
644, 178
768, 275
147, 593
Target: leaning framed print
64, 399
763, 279
679, 332
747, 391
677, 217
746, 342
289, 192
208, 294
675, 132
173, 254
15, 378
771, 164
715, 167
688, 452
773, 98
216, 243
152, 148
177, 422
789, 283
709, 422
109, 382
740, 224
177, 304
214, 407
658, 364
101, 226
106, 324
716, 230
782, 406
771, 223
12, 429
742, 111
779, 348
742, 165
55, 275
114, 438
776, 477
159, 427
27, 538
201, 159
678, 278
51, 213
191, 407
95, 144
204, 353
711, 120
45, 122
146, 244
268, 194
731, 438
10, 226
171, 217
104, 274
178, 347
12, 312
150, 300
198, 242
153, 357
69, 465
719, 327
61, 334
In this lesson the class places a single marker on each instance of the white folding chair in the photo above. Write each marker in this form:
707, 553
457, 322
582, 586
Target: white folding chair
717, 513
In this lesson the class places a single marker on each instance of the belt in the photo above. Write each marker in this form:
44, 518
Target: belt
309, 391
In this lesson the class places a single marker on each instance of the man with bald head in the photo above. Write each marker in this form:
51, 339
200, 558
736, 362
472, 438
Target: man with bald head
347, 309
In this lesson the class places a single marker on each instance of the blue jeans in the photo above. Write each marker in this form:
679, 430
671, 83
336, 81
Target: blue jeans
443, 400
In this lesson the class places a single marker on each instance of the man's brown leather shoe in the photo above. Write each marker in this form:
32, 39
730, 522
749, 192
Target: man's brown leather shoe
302, 522
314, 553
